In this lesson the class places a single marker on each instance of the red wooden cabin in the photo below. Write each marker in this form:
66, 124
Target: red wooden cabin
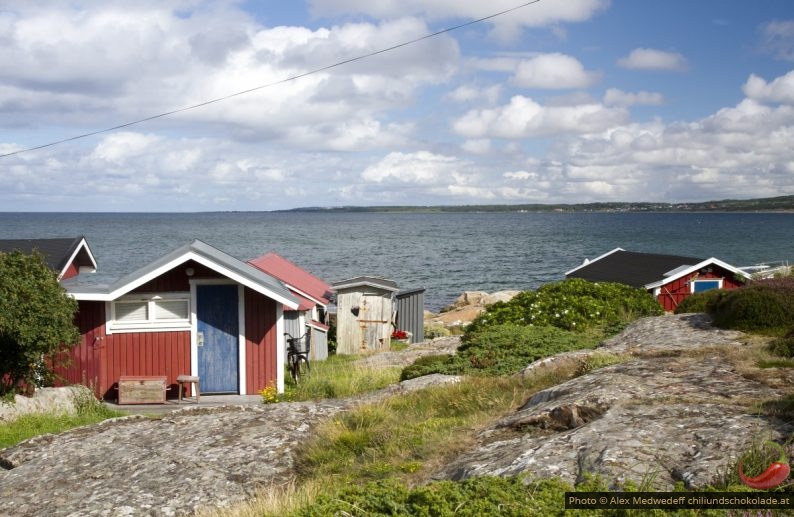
670, 278
196, 311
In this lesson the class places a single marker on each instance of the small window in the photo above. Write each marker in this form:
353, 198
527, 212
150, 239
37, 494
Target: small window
171, 310
132, 311
698, 286
142, 312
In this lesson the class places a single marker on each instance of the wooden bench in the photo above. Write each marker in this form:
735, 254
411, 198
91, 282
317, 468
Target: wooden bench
142, 389
189, 379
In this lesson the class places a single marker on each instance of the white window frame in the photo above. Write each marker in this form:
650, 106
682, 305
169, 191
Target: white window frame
693, 282
151, 324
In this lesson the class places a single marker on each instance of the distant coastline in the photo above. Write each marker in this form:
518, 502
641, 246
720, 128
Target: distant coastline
782, 204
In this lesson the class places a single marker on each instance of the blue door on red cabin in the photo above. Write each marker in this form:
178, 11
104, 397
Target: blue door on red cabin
217, 338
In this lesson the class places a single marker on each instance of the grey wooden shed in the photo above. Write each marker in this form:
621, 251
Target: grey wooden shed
410, 306
365, 308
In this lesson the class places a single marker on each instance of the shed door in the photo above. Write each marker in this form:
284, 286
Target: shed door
373, 322
217, 338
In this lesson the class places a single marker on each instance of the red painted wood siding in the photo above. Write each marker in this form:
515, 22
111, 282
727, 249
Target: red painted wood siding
176, 279
676, 291
82, 364
260, 341
100, 359
148, 353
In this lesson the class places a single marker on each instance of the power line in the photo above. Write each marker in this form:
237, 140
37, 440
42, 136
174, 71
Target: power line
269, 85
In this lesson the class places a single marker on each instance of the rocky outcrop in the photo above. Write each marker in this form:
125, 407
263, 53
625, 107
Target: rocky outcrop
190, 459
684, 416
44, 400
403, 358
468, 306
676, 407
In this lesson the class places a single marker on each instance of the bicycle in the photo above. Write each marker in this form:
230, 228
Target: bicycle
297, 357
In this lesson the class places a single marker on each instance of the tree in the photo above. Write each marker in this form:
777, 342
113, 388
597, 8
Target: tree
36, 320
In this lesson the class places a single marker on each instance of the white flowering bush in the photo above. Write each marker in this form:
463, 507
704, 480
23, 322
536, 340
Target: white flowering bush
572, 304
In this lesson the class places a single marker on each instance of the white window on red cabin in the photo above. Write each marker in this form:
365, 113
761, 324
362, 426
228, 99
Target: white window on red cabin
150, 312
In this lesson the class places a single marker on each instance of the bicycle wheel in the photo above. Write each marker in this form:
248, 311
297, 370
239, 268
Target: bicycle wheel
292, 364
300, 368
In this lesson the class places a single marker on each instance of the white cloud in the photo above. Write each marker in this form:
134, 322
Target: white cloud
477, 146
780, 90
469, 93
617, 97
778, 38
553, 71
523, 118
652, 59
536, 15
104, 65
421, 167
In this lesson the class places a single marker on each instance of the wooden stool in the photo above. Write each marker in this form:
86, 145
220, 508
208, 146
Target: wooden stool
188, 379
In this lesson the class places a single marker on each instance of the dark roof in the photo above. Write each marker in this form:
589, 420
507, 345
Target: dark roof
630, 267
57, 252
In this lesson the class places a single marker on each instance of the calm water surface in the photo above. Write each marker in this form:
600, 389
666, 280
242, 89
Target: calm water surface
445, 253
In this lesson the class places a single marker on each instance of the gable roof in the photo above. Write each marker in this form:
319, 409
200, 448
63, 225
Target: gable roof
298, 280
58, 254
371, 281
197, 251
643, 270
630, 267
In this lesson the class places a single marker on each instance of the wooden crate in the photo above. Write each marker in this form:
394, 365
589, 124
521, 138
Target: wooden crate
142, 389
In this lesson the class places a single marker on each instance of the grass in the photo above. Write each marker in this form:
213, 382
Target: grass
35, 424
405, 433
337, 377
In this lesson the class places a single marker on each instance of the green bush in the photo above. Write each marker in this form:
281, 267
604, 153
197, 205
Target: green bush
699, 302
573, 304
501, 350
765, 306
36, 321
434, 331
445, 364
471, 497
783, 346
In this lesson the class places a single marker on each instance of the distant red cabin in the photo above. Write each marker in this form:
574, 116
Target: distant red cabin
670, 278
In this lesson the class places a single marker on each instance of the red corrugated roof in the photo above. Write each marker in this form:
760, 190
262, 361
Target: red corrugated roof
305, 303
295, 277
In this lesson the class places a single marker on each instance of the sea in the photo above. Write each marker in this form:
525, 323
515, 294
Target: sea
444, 253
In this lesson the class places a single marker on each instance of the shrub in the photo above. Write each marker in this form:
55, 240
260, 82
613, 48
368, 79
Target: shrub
36, 320
472, 497
699, 302
783, 346
445, 364
501, 350
765, 306
434, 331
572, 304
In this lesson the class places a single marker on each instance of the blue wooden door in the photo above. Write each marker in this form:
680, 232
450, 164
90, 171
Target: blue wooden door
217, 338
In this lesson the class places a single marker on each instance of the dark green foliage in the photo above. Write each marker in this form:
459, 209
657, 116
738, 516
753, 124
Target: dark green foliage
36, 320
501, 350
572, 304
765, 306
700, 302
472, 497
783, 346
445, 364
488, 495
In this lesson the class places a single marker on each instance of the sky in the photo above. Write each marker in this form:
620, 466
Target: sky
570, 101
